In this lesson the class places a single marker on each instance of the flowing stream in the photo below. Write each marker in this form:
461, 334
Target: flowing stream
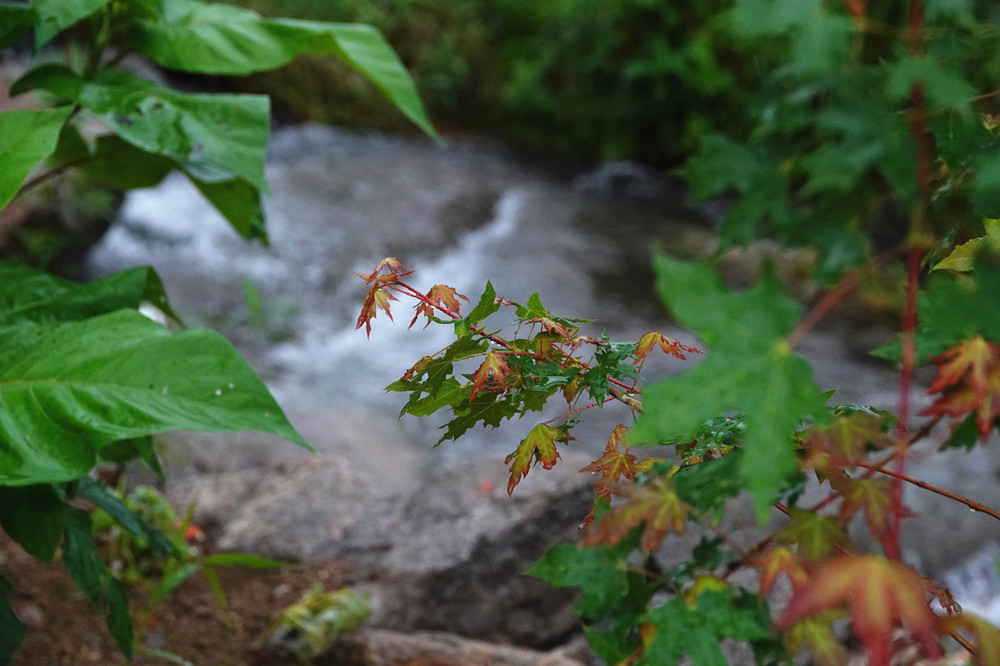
341, 201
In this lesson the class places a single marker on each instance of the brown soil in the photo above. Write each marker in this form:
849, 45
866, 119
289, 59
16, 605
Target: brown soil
64, 630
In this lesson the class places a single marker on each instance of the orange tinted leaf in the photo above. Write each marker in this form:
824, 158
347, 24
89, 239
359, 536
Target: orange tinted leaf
654, 504
553, 327
874, 498
880, 595
668, 345
780, 560
988, 637
493, 366
391, 265
439, 295
969, 377
846, 440
614, 464
378, 297
540, 446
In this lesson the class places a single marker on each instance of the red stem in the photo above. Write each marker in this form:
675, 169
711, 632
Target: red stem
905, 383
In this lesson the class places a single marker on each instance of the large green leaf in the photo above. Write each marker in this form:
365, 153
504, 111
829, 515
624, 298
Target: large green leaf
81, 385
26, 138
11, 628
91, 575
54, 16
14, 22
749, 369
698, 629
28, 294
212, 137
33, 517
218, 39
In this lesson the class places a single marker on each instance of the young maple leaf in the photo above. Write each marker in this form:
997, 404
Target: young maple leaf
668, 345
392, 267
655, 504
378, 297
614, 464
780, 560
880, 594
874, 498
494, 366
539, 445
969, 377
845, 442
439, 295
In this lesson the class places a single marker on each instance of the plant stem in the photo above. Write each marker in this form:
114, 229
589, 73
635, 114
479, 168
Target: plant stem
905, 383
975, 506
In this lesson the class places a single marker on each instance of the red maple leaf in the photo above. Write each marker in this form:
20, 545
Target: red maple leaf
439, 295
880, 595
874, 498
780, 560
969, 380
654, 504
392, 267
495, 367
614, 464
378, 297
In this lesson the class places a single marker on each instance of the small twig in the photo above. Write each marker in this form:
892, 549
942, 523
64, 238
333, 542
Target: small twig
975, 506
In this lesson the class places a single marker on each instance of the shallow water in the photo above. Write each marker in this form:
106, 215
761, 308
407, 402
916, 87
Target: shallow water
342, 201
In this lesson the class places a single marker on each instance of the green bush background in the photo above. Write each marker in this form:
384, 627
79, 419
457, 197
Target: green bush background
638, 79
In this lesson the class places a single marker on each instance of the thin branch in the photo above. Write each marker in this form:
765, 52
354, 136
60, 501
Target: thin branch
975, 506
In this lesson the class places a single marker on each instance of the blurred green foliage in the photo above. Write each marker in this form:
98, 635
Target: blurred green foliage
639, 79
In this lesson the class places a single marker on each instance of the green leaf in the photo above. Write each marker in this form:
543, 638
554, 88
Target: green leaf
12, 630
599, 571
985, 186
708, 484
97, 493
965, 436
107, 164
170, 582
81, 559
217, 39
749, 369
54, 16
28, 294
946, 88
486, 306
243, 560
697, 629
239, 203
951, 309
486, 408
15, 20
82, 385
213, 138
26, 138
33, 517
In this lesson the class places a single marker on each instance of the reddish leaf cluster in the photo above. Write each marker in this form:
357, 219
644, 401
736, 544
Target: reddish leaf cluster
880, 595
378, 292
668, 345
654, 504
969, 380
439, 296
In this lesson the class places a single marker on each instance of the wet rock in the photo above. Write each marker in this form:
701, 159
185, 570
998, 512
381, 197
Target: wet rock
450, 555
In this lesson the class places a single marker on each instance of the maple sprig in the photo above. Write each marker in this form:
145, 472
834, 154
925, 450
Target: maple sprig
969, 380
879, 593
